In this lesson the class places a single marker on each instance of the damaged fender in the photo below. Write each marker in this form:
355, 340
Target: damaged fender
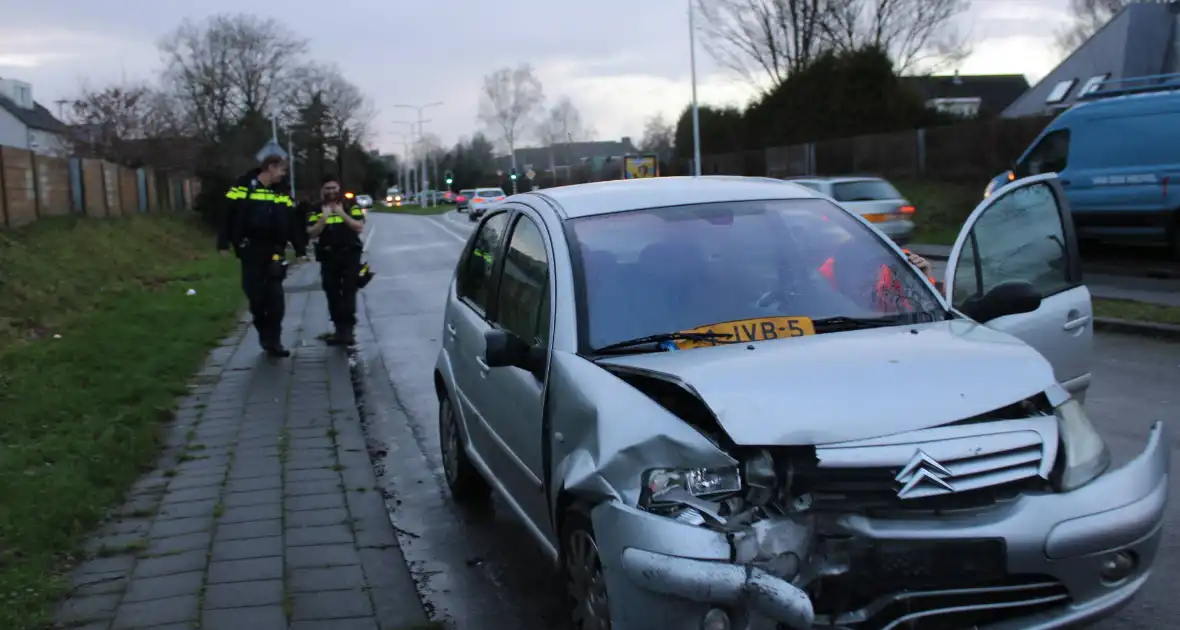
604, 435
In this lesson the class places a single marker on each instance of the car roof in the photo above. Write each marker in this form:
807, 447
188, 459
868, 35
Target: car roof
837, 179
582, 200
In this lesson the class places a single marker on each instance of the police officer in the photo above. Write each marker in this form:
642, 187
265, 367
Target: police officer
338, 248
258, 225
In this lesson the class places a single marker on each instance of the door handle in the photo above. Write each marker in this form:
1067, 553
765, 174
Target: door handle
451, 328
483, 366
1075, 324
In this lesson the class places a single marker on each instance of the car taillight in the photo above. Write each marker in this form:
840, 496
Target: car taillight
906, 209
499, 199
876, 217
478, 199
461, 198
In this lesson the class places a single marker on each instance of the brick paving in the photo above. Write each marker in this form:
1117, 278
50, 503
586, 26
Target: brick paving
264, 513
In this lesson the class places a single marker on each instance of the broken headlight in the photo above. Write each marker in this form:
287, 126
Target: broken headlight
662, 485
1084, 455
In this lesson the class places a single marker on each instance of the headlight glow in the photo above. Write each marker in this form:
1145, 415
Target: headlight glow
705, 483
1084, 454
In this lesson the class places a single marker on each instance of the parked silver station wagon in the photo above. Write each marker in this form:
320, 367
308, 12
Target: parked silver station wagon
733, 404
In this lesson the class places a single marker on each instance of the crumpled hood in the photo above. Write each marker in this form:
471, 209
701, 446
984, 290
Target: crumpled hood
854, 385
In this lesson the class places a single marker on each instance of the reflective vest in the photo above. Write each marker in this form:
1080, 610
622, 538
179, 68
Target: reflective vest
888, 289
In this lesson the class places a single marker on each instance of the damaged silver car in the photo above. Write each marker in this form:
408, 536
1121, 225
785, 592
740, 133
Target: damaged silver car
729, 404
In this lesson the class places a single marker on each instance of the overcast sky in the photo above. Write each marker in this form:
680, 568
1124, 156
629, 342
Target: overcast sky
621, 61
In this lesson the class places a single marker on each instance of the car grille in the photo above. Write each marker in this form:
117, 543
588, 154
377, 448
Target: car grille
960, 466
949, 607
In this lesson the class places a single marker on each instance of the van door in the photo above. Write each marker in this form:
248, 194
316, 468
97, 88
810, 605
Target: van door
1025, 233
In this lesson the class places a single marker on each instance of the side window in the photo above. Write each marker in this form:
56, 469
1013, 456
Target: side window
524, 288
1051, 155
475, 270
1018, 238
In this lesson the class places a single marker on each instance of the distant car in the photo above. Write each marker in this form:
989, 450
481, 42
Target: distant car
872, 198
463, 197
364, 202
482, 199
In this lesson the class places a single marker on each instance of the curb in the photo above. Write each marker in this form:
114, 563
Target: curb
1169, 332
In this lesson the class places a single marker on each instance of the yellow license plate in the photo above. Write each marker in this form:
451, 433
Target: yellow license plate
747, 330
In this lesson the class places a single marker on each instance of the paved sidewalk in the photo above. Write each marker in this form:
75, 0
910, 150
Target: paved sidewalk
264, 513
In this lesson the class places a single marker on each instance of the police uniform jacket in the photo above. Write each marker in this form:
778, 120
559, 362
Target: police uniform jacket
259, 221
336, 237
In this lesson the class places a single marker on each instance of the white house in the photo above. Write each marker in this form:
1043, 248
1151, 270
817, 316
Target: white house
25, 124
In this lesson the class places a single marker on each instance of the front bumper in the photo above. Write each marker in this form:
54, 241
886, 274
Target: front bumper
665, 574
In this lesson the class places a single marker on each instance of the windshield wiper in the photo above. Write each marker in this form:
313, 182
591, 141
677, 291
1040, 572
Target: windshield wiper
832, 324
650, 339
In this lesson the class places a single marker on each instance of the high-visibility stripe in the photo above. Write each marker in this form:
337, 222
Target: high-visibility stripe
313, 218
357, 212
283, 199
237, 192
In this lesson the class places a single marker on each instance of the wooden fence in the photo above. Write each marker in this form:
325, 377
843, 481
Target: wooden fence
967, 152
34, 186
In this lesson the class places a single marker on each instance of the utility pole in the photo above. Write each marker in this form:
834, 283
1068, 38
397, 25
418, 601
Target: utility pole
420, 109
291, 152
696, 114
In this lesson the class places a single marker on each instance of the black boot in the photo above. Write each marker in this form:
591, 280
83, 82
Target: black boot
273, 344
345, 336
333, 338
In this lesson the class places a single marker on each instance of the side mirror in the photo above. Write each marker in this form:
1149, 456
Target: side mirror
504, 348
1009, 298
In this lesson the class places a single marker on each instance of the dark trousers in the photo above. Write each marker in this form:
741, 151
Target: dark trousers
339, 272
265, 293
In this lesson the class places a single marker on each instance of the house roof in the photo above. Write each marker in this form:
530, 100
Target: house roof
995, 91
1141, 40
37, 118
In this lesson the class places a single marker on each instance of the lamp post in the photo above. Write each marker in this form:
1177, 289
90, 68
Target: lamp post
420, 109
696, 115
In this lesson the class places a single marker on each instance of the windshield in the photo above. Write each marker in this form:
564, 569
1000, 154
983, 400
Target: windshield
685, 268
489, 192
867, 190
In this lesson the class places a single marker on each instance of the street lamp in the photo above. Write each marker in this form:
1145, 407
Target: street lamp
696, 115
420, 109
405, 178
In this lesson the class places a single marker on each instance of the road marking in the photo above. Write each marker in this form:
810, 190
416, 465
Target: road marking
372, 235
450, 232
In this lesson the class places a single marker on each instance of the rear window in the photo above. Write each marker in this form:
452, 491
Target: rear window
867, 190
466, 192
489, 192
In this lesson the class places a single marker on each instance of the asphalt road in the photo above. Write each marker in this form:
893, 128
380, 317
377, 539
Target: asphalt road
480, 570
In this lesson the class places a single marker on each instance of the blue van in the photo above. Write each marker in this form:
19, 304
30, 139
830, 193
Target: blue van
1117, 156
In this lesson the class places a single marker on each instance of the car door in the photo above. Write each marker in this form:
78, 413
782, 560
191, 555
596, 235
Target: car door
1026, 233
516, 397
467, 318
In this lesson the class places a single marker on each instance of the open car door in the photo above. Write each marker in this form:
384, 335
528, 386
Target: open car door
1024, 233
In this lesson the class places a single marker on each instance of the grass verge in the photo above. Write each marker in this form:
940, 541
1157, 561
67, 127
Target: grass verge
98, 337
942, 208
1137, 311
413, 209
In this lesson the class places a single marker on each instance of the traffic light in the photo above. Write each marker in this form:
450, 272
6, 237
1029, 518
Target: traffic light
512, 174
450, 177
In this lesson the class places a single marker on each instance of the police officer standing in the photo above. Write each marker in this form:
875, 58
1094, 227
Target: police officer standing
258, 225
338, 249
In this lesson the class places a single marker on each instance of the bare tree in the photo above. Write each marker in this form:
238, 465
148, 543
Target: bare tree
563, 123
658, 136
915, 33
510, 99
228, 66
345, 108
1087, 16
107, 121
762, 40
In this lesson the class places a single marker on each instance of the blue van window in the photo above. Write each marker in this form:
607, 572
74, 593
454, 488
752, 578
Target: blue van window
1051, 155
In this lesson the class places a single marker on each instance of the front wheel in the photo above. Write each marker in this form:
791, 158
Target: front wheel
584, 578
465, 482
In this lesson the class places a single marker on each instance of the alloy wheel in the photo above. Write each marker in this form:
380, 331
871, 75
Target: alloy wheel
586, 583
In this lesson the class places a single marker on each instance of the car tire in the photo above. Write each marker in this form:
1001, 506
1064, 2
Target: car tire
585, 581
465, 481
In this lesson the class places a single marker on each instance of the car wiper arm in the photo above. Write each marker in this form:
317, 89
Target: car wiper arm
856, 323
676, 336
